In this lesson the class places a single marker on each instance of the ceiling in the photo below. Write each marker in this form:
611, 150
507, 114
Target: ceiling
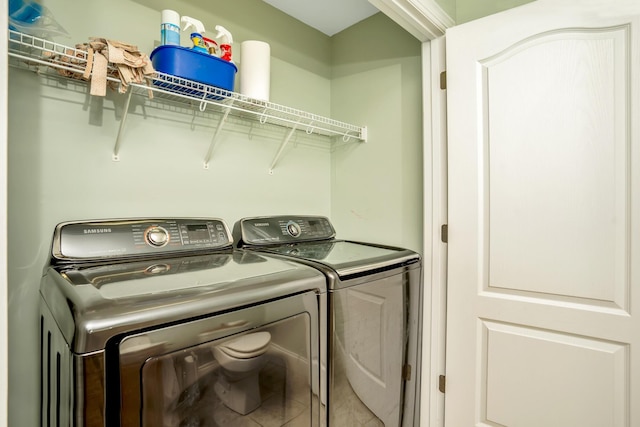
328, 16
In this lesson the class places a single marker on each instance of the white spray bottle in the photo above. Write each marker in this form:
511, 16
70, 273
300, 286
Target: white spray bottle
196, 36
225, 41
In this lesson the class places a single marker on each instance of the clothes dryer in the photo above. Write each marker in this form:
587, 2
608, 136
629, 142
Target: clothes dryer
372, 319
159, 322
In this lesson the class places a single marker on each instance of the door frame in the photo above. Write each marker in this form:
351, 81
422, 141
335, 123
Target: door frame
424, 19
4, 283
435, 247
427, 22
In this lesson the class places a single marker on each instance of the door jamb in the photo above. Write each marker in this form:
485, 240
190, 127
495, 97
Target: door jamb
435, 249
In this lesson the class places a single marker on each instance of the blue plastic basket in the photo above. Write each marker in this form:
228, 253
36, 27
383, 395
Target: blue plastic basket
192, 65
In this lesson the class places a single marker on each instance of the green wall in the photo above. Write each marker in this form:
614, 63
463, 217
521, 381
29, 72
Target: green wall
449, 7
61, 142
467, 10
377, 185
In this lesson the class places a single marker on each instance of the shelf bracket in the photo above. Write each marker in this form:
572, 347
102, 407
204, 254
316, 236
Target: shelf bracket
282, 146
214, 139
116, 148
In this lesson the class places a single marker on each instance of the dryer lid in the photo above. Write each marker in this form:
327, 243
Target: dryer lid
312, 239
348, 258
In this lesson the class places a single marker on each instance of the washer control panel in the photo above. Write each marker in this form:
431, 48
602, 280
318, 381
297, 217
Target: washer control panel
284, 229
94, 240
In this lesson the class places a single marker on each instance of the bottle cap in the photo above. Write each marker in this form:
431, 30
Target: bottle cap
171, 17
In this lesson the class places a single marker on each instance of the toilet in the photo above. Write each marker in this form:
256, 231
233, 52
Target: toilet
240, 360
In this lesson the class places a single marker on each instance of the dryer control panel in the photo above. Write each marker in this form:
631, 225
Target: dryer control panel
108, 239
283, 229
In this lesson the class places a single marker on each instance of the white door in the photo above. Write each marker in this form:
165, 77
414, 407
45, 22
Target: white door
543, 327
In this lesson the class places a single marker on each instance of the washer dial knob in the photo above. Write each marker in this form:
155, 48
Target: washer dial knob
156, 236
293, 229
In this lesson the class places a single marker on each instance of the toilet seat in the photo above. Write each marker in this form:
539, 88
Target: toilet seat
247, 346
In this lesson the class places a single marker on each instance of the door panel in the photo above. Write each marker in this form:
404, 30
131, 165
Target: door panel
551, 367
173, 376
368, 353
555, 161
544, 160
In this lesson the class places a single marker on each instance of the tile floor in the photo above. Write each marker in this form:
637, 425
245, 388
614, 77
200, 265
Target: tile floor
347, 409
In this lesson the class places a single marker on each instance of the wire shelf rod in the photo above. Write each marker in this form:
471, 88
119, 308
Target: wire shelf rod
41, 52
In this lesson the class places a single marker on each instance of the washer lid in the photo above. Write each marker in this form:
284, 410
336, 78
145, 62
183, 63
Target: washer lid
96, 303
247, 346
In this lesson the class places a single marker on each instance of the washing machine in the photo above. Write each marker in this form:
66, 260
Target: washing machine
161, 323
371, 342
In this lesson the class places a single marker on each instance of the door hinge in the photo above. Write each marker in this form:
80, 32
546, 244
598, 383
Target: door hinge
441, 383
443, 80
444, 233
406, 372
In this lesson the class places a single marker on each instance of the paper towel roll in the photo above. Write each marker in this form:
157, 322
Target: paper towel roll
255, 69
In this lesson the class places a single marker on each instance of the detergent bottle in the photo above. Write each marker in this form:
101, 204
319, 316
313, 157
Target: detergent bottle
225, 38
196, 36
170, 28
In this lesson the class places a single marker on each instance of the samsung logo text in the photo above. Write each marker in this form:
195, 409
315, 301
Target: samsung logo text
97, 230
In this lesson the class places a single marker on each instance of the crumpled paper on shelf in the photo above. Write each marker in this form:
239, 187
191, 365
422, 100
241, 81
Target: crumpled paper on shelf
129, 65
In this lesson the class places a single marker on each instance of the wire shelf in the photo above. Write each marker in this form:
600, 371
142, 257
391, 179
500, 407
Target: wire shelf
71, 62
